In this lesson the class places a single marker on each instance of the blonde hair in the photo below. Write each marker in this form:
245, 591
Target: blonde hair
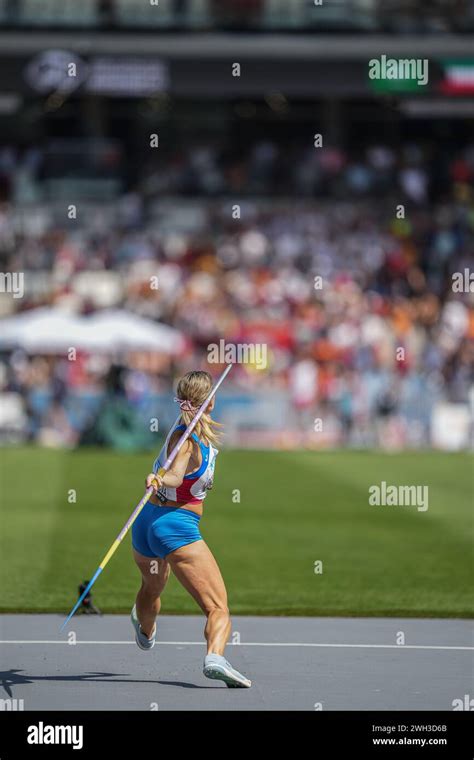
195, 387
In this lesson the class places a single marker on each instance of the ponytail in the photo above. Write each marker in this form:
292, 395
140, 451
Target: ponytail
193, 389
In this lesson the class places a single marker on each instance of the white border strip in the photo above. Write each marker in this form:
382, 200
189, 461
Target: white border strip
251, 644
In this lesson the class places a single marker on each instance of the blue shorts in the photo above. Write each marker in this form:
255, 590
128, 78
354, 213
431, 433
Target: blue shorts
157, 531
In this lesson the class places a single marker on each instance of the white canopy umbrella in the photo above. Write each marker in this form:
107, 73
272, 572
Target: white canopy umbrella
51, 330
12, 328
46, 330
128, 331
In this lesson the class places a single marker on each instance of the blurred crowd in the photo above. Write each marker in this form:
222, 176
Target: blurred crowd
354, 302
412, 172
404, 16
416, 172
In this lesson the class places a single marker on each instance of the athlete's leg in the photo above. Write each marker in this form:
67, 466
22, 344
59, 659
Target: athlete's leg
197, 570
155, 573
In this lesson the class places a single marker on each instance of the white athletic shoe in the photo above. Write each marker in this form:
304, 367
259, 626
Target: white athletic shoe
217, 667
143, 641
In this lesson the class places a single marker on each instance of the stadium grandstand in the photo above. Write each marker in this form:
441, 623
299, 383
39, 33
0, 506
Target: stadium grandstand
152, 157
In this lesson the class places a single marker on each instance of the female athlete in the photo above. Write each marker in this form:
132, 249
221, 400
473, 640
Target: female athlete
166, 535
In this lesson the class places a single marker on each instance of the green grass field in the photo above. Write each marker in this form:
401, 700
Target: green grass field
295, 509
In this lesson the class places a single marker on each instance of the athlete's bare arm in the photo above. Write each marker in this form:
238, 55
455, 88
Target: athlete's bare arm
173, 478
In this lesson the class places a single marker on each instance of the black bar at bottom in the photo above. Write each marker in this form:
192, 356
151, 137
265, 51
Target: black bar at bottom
374, 734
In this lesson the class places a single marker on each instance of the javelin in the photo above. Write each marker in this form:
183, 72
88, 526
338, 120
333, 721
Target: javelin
148, 493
